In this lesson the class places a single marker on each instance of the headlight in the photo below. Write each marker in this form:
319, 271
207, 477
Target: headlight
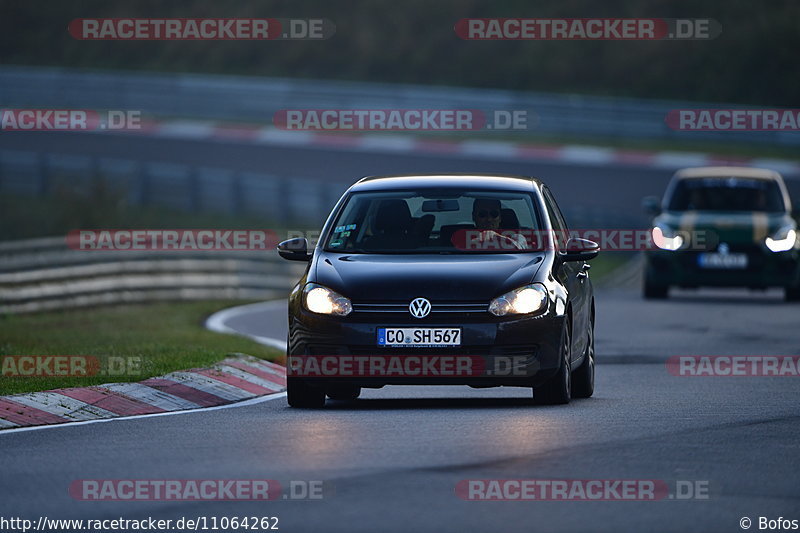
667, 239
319, 299
782, 240
527, 299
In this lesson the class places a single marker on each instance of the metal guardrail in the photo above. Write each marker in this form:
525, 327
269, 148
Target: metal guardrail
175, 186
255, 99
44, 274
304, 202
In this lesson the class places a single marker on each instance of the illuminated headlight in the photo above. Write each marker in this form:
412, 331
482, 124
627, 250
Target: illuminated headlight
784, 239
522, 301
319, 299
667, 239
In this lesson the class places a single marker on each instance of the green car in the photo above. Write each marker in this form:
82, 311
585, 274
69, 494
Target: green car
723, 227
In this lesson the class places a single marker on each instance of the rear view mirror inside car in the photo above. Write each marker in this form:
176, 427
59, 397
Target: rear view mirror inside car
432, 206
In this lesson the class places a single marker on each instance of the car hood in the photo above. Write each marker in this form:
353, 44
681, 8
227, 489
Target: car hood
730, 227
377, 277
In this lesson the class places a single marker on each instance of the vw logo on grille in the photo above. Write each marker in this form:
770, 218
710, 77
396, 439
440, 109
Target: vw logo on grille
419, 307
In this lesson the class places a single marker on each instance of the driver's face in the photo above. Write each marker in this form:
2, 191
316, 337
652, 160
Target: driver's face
486, 214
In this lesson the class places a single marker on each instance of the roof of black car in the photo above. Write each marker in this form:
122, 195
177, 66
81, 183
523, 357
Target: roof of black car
504, 182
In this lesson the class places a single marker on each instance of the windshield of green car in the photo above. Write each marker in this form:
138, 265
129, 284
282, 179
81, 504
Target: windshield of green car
726, 194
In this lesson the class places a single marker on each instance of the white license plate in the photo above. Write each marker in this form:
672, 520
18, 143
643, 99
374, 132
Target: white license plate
722, 260
419, 336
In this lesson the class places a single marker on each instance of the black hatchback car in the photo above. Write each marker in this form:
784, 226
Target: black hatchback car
442, 279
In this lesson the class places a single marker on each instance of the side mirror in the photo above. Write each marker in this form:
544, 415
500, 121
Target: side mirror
580, 250
651, 205
294, 249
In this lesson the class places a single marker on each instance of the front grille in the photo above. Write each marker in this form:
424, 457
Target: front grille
468, 307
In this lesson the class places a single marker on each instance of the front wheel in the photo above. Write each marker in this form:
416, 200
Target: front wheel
301, 394
583, 376
652, 290
655, 292
792, 294
558, 389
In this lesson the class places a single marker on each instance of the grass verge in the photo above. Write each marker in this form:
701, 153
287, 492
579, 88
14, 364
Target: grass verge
162, 337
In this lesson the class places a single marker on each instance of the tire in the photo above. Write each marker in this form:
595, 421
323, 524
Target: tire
652, 290
300, 394
343, 392
558, 389
792, 294
655, 292
583, 376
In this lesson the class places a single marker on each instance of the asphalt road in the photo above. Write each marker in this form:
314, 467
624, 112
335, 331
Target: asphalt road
391, 461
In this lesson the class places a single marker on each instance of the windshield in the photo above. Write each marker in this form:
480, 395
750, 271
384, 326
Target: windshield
726, 194
435, 222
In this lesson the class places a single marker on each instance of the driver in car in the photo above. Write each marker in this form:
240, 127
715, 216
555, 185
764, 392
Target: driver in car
486, 215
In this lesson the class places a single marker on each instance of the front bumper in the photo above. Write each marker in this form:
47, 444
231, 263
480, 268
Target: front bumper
764, 269
520, 351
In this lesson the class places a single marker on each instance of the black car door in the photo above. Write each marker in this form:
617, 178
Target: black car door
573, 275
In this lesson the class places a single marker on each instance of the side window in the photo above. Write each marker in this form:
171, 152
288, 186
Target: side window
556, 219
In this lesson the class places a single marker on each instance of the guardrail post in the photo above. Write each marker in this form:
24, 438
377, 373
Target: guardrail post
237, 195
284, 191
97, 182
44, 176
144, 185
194, 189
332, 194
